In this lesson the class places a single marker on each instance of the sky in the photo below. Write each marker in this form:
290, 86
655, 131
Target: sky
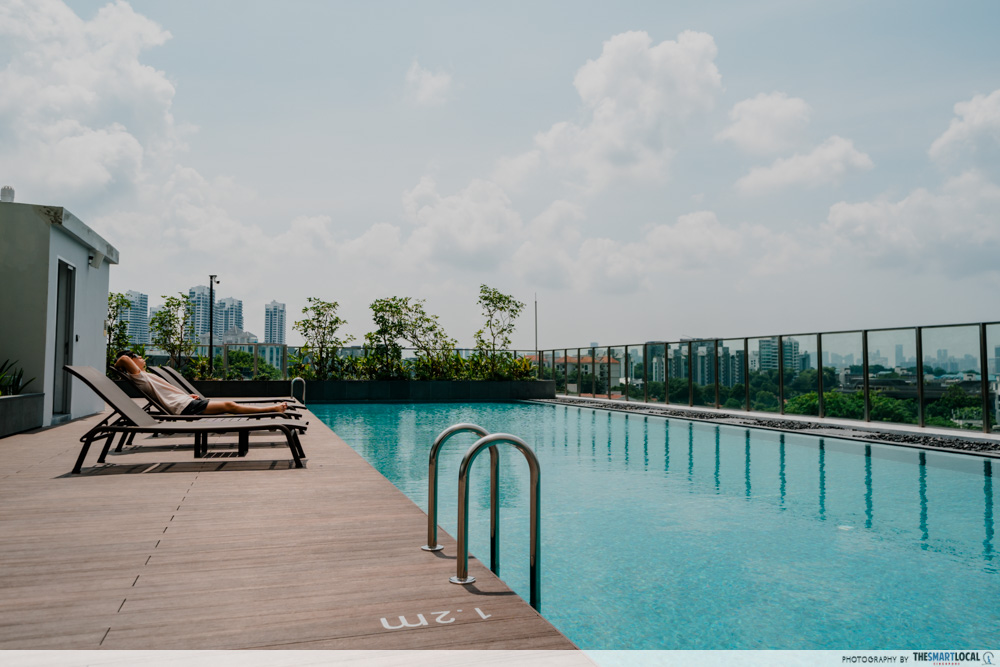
649, 170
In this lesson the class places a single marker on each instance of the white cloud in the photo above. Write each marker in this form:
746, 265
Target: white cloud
636, 96
426, 88
544, 258
979, 119
696, 245
953, 230
475, 228
767, 123
511, 172
81, 114
827, 163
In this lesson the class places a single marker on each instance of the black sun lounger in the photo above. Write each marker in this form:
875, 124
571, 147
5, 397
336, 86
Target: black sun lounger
161, 410
174, 376
129, 419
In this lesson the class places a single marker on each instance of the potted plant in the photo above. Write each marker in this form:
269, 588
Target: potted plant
19, 411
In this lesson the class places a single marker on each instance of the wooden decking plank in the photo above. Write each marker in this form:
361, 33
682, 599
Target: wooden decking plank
157, 550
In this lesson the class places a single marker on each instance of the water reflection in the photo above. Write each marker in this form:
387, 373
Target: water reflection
716, 459
868, 486
691, 452
924, 535
822, 479
781, 467
988, 514
747, 449
777, 466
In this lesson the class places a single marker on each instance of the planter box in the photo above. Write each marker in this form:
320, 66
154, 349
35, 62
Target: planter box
336, 391
21, 412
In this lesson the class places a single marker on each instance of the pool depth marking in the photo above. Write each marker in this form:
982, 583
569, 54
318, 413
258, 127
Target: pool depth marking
440, 617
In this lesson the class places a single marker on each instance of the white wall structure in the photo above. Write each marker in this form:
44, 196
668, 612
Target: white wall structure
54, 272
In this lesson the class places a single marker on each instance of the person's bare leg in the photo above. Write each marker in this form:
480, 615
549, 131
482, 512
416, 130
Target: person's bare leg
232, 407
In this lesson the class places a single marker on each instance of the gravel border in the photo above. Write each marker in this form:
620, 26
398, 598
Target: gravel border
955, 443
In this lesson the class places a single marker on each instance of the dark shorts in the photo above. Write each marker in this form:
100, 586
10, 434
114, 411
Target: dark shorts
195, 407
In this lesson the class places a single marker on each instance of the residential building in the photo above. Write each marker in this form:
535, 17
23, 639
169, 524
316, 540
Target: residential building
704, 362
792, 357
233, 336
200, 311
137, 316
731, 371
274, 323
228, 314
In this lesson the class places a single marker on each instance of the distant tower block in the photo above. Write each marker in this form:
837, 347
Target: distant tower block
7, 193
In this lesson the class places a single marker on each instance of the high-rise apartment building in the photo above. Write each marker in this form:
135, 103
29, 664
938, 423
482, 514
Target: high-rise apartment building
731, 371
703, 364
228, 315
137, 316
200, 302
792, 357
274, 323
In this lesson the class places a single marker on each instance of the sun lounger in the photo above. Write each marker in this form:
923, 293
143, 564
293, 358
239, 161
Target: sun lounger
174, 376
129, 419
153, 402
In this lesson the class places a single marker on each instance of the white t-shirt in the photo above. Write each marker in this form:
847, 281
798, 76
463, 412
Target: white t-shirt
172, 398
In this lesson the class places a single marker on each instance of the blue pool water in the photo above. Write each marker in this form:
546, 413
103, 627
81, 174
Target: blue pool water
668, 534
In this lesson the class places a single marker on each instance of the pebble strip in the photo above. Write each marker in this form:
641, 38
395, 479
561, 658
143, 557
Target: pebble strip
954, 444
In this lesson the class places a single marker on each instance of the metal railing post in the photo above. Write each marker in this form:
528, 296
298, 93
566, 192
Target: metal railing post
820, 406
984, 378
645, 372
690, 370
864, 372
716, 373
781, 375
462, 560
919, 339
746, 371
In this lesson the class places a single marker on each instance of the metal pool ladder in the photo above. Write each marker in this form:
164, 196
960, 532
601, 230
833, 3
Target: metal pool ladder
291, 389
486, 441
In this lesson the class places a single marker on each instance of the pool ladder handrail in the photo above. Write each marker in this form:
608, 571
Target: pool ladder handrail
490, 442
291, 389
432, 488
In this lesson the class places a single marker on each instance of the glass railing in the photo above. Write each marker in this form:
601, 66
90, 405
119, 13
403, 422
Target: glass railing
655, 371
943, 375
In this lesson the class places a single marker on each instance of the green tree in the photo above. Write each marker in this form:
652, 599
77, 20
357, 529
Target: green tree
493, 340
170, 328
404, 319
117, 327
804, 404
319, 330
886, 409
384, 359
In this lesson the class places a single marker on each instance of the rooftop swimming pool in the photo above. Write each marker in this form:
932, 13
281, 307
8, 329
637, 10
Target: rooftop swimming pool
669, 534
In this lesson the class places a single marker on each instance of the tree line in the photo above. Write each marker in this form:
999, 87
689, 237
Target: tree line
400, 322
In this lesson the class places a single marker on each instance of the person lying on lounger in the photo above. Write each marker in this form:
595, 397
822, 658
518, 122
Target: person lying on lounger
178, 402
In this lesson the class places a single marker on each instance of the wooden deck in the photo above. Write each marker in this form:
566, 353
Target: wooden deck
157, 550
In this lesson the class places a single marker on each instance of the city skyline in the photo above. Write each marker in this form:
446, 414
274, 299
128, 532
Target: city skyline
228, 314
624, 160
